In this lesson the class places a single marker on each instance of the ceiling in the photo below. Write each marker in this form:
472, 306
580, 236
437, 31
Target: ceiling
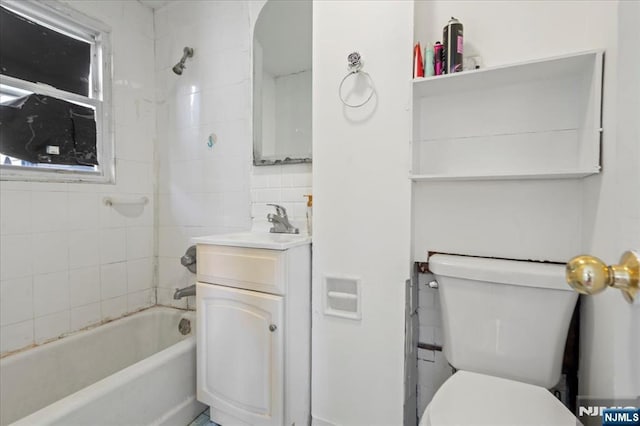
155, 4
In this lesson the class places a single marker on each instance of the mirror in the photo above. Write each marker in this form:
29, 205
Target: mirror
282, 83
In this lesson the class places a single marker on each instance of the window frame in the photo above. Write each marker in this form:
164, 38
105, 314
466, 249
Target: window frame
70, 22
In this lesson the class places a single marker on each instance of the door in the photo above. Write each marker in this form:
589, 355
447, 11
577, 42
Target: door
240, 354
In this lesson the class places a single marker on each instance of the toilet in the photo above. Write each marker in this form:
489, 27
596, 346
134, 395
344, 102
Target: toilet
505, 324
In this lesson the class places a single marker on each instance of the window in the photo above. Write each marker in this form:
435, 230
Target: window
54, 94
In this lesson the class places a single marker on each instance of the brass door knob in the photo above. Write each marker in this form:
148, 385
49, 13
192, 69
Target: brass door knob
590, 275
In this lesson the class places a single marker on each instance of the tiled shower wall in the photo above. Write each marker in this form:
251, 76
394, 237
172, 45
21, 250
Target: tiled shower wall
66, 260
206, 181
204, 119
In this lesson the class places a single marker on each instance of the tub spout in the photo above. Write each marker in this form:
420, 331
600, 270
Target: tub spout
184, 292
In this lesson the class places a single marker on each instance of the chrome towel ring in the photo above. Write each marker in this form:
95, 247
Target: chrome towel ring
354, 64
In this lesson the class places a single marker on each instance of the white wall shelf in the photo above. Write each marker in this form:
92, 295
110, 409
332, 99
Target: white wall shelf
559, 174
532, 120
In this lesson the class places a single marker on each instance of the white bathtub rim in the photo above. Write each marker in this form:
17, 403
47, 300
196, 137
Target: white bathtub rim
109, 323
77, 399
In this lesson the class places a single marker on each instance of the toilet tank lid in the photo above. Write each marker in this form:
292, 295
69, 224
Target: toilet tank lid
513, 272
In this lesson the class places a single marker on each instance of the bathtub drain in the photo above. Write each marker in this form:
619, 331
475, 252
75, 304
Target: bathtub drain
185, 326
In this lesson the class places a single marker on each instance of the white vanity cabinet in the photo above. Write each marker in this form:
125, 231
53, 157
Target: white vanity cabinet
253, 334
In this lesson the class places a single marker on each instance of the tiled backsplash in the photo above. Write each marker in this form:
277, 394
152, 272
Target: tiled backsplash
285, 185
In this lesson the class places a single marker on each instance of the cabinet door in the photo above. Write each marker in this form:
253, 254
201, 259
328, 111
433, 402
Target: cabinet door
240, 354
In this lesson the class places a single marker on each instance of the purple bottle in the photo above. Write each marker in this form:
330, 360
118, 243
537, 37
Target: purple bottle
438, 56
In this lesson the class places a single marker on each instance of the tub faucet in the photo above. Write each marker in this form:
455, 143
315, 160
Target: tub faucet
280, 221
184, 292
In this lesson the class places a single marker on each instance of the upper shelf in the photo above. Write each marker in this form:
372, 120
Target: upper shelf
503, 75
537, 119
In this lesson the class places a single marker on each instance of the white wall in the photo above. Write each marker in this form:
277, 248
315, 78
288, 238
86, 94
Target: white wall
361, 210
201, 190
551, 220
67, 260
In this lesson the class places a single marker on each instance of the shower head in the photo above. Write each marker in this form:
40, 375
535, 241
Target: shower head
179, 67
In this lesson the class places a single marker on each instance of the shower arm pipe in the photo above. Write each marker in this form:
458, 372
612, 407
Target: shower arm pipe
180, 66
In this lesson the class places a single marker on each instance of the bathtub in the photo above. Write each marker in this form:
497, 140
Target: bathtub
137, 370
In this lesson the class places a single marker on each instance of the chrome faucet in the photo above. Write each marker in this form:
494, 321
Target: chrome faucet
280, 221
184, 292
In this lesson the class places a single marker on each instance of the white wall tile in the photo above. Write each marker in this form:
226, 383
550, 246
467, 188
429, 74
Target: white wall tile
83, 210
84, 316
113, 280
137, 144
426, 355
84, 248
144, 216
139, 242
213, 209
51, 326
140, 299
84, 286
139, 275
171, 273
429, 316
49, 211
109, 217
50, 293
295, 195
135, 177
16, 256
174, 241
15, 212
50, 252
114, 308
271, 195
236, 209
112, 245
16, 300
165, 298
427, 334
16, 336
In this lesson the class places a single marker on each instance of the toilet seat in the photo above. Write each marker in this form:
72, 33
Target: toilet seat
477, 399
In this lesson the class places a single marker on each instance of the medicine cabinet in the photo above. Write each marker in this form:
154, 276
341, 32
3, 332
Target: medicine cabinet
540, 119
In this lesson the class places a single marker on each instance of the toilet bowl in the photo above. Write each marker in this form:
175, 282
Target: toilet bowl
504, 326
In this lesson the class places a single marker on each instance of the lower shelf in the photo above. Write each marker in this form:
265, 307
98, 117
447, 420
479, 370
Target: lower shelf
509, 175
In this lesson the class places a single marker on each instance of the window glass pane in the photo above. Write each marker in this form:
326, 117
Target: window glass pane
35, 53
42, 129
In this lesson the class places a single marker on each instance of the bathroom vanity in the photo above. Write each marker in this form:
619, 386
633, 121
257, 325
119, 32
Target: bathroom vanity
253, 299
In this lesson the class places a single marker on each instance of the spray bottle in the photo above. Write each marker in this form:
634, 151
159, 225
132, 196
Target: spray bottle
309, 213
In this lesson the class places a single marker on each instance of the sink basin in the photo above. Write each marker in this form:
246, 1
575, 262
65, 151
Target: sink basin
263, 240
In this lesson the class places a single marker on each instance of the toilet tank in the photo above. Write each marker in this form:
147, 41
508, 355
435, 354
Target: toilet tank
504, 318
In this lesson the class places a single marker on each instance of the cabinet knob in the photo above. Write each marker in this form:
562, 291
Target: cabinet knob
273, 327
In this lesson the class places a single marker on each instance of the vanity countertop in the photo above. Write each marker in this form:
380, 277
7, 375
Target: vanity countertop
263, 240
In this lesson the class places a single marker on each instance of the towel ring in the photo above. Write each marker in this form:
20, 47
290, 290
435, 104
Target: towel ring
355, 66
